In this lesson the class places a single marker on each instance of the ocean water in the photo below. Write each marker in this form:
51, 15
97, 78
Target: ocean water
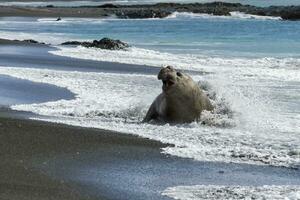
61, 3
248, 65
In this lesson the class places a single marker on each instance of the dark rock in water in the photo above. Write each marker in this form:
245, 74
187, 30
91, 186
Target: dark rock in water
143, 13
108, 5
292, 13
75, 43
104, 43
21, 42
107, 43
161, 10
31, 41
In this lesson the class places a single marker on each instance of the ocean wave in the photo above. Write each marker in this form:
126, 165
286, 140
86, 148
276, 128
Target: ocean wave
241, 15
119, 101
70, 20
181, 15
211, 192
233, 15
273, 68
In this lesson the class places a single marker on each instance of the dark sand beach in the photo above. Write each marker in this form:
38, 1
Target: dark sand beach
19, 142
22, 141
41, 160
23, 54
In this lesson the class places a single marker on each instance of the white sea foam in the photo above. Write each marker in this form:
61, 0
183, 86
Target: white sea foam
119, 102
181, 15
241, 15
233, 15
272, 68
48, 37
70, 20
211, 192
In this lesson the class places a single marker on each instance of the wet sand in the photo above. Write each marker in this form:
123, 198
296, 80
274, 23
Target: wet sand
41, 160
23, 140
22, 54
29, 55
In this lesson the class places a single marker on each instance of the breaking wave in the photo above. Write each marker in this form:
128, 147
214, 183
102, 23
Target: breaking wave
241, 15
233, 15
274, 68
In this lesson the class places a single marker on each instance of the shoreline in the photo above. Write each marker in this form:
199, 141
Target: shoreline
36, 55
43, 160
28, 42
24, 140
159, 10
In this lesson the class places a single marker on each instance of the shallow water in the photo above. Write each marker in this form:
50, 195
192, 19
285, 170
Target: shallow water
124, 172
17, 91
235, 36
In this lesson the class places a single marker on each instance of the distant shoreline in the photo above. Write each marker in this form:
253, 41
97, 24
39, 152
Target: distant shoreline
159, 10
20, 42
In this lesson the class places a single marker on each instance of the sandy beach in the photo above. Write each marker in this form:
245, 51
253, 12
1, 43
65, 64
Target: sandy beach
18, 179
24, 140
43, 160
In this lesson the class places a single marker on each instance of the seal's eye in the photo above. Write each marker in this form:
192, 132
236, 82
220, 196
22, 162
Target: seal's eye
168, 67
179, 74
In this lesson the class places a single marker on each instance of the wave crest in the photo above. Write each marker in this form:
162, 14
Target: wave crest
274, 68
233, 15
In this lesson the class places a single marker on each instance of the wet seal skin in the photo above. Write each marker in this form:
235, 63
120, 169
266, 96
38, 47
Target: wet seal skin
181, 100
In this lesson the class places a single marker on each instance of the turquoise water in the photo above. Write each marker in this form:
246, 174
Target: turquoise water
195, 34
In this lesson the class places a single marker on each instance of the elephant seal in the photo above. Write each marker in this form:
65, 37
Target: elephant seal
181, 100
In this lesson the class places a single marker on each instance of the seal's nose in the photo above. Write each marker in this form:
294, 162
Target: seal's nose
164, 71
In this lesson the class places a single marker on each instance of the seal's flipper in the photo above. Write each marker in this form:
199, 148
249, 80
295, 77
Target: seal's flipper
151, 114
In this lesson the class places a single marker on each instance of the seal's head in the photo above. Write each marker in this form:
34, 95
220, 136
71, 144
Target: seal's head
181, 100
170, 78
